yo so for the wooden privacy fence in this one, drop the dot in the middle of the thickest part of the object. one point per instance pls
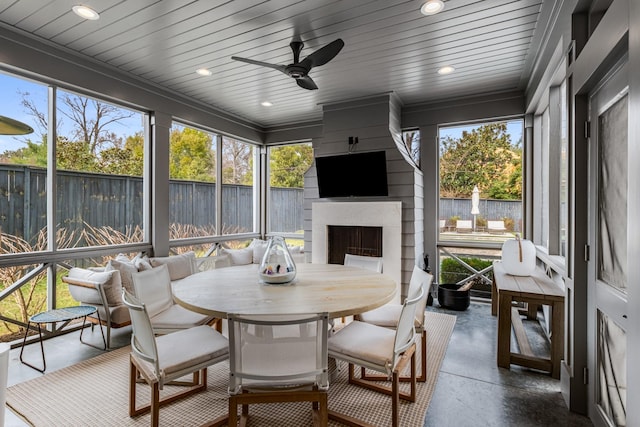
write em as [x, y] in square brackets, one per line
[489, 210]
[116, 201]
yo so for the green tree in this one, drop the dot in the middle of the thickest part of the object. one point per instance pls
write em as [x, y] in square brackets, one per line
[288, 165]
[484, 157]
[191, 156]
[509, 185]
[73, 156]
[34, 154]
[128, 160]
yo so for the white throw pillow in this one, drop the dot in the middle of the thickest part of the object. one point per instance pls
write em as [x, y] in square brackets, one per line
[109, 280]
[142, 262]
[126, 269]
[259, 247]
[238, 256]
[180, 266]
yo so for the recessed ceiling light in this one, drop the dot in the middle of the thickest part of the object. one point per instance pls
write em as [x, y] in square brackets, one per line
[85, 12]
[266, 104]
[204, 72]
[446, 70]
[432, 7]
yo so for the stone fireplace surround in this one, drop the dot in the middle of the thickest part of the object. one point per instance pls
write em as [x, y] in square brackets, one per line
[387, 215]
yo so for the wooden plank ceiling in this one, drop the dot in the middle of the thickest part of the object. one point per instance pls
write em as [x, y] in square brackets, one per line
[389, 47]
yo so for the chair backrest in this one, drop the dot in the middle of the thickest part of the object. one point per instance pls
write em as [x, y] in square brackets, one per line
[153, 289]
[405, 332]
[372, 263]
[420, 282]
[275, 350]
[143, 340]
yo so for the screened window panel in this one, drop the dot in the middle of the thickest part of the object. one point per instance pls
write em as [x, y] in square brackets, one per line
[612, 193]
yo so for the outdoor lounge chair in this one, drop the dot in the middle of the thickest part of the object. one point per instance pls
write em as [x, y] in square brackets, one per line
[464, 226]
[496, 227]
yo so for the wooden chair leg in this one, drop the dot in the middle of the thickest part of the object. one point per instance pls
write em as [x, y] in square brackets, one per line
[409, 356]
[233, 412]
[395, 393]
[395, 398]
[423, 366]
[155, 404]
[198, 384]
[133, 380]
[423, 358]
[317, 398]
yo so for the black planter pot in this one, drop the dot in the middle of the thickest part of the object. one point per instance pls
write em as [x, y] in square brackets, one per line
[450, 297]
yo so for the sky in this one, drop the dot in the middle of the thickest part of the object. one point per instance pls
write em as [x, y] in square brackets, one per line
[514, 128]
[10, 106]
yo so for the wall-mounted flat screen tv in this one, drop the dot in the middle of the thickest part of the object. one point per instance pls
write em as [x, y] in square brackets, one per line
[352, 175]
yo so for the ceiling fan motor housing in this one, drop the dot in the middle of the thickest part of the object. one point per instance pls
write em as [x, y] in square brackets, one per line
[296, 71]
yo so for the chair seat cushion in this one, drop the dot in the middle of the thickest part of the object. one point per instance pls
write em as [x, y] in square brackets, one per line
[183, 349]
[178, 317]
[363, 341]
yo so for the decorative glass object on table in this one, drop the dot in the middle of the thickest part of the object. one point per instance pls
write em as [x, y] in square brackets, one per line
[277, 266]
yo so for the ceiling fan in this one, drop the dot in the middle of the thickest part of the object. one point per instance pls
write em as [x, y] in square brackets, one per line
[299, 70]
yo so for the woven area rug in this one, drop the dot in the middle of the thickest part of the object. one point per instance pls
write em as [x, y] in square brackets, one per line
[95, 393]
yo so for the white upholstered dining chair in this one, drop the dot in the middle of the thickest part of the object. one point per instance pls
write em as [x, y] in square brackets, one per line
[388, 315]
[372, 263]
[278, 358]
[159, 361]
[380, 349]
[153, 289]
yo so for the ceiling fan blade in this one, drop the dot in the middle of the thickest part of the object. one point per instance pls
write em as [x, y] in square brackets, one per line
[280, 68]
[323, 55]
[306, 82]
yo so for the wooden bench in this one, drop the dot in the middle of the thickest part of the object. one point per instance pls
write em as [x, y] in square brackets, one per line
[535, 290]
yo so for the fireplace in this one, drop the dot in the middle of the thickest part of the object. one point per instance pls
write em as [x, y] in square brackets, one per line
[387, 216]
[356, 240]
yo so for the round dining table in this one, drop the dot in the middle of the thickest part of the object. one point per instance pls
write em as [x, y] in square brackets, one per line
[337, 289]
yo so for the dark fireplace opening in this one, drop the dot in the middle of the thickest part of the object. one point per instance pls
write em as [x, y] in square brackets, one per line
[356, 240]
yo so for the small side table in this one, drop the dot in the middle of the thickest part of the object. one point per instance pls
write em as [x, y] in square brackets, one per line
[60, 315]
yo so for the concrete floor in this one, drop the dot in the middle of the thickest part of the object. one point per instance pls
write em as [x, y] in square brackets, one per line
[471, 389]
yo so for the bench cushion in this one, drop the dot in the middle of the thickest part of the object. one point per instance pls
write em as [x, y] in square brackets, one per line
[238, 256]
[180, 266]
